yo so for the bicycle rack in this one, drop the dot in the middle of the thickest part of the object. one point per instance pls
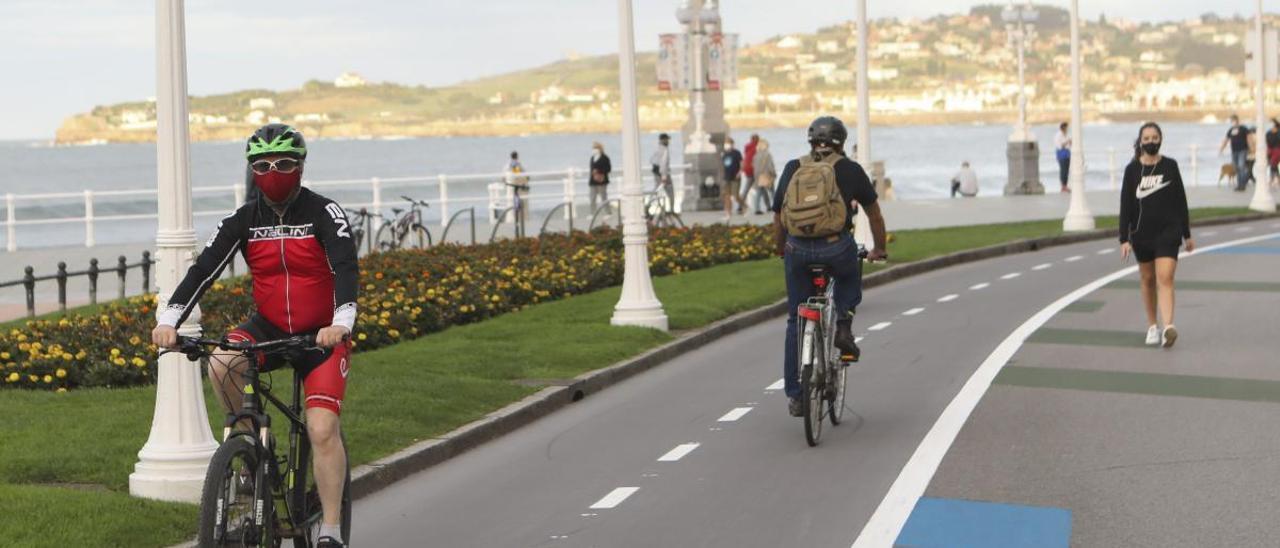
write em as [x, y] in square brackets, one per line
[502, 215]
[472, 212]
[552, 213]
[616, 206]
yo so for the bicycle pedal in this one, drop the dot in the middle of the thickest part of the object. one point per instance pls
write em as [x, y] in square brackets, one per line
[848, 358]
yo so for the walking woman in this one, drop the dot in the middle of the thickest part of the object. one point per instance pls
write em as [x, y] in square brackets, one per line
[765, 175]
[1154, 224]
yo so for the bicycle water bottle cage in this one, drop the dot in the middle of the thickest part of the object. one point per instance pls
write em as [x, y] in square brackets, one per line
[809, 313]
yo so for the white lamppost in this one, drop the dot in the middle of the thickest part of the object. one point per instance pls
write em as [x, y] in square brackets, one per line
[171, 466]
[1019, 22]
[1078, 216]
[862, 223]
[696, 14]
[1262, 199]
[638, 305]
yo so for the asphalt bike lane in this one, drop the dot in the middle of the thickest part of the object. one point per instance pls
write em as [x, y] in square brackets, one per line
[701, 451]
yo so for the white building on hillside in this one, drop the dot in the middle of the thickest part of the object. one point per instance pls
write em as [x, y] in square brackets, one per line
[349, 80]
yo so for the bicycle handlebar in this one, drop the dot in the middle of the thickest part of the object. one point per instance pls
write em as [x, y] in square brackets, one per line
[197, 347]
[422, 203]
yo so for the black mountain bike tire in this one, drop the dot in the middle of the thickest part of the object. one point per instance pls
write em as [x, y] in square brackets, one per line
[218, 479]
[839, 379]
[385, 239]
[418, 237]
[811, 397]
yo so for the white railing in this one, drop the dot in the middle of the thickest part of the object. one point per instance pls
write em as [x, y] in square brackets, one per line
[490, 190]
[1118, 158]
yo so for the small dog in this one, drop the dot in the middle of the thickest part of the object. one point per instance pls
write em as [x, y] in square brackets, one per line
[1228, 172]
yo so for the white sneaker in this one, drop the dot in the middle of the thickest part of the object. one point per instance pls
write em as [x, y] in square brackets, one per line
[1153, 335]
[1170, 335]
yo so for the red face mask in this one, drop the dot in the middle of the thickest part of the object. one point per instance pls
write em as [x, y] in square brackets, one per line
[278, 186]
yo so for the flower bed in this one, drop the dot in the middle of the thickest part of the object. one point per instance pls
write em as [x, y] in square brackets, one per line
[403, 295]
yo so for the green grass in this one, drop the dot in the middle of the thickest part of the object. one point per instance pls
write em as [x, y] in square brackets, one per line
[398, 395]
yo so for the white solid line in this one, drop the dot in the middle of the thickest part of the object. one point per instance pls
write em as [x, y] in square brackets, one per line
[886, 523]
[614, 498]
[948, 298]
[1041, 266]
[879, 326]
[678, 453]
[777, 385]
[1215, 232]
[1010, 275]
[736, 414]
[982, 285]
[1074, 258]
[913, 311]
[1106, 251]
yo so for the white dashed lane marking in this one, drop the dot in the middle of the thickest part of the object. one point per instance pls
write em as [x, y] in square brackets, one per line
[1244, 229]
[1215, 232]
[1042, 266]
[948, 298]
[678, 453]
[777, 385]
[913, 311]
[614, 498]
[1010, 275]
[736, 414]
[982, 285]
[879, 326]
[1106, 251]
[858, 340]
[1074, 258]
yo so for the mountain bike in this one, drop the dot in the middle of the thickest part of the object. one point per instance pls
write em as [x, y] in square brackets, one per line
[406, 230]
[824, 374]
[659, 213]
[361, 226]
[254, 496]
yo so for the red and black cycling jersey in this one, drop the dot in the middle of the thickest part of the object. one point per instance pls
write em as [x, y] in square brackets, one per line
[303, 263]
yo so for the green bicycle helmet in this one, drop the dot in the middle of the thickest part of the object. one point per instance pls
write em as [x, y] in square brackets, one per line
[276, 139]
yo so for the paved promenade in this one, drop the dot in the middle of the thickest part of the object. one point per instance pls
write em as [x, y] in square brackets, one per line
[900, 215]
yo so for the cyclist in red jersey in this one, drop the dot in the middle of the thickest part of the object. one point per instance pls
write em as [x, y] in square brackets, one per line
[302, 257]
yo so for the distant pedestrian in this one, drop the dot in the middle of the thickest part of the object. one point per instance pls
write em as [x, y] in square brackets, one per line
[598, 184]
[1062, 150]
[520, 183]
[748, 167]
[1238, 138]
[1273, 151]
[661, 161]
[766, 176]
[1154, 224]
[965, 182]
[732, 160]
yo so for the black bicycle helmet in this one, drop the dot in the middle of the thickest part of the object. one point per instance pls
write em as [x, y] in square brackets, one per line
[829, 130]
[276, 139]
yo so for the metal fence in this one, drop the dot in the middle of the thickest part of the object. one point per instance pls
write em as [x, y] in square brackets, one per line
[493, 192]
[121, 270]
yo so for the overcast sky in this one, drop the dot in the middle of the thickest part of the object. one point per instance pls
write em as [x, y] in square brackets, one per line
[64, 57]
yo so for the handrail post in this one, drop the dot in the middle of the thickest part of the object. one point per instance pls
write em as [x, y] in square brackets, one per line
[444, 199]
[1195, 165]
[62, 286]
[1111, 165]
[146, 272]
[473, 226]
[29, 282]
[93, 281]
[377, 194]
[679, 192]
[122, 266]
[10, 221]
[569, 193]
[88, 218]
[237, 193]
[494, 189]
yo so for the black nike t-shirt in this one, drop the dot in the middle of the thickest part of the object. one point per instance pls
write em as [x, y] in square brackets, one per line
[850, 177]
[1153, 202]
[1239, 137]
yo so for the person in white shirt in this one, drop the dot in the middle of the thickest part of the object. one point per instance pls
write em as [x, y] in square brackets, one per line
[965, 182]
[1062, 149]
[661, 161]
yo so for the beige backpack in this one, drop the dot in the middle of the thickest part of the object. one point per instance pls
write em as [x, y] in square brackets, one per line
[813, 206]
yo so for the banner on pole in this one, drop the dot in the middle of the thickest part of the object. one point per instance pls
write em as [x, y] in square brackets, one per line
[675, 72]
[722, 61]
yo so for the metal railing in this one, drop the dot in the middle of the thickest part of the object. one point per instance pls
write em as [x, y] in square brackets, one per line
[122, 268]
[492, 191]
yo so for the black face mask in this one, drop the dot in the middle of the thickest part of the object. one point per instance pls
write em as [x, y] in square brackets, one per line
[1151, 148]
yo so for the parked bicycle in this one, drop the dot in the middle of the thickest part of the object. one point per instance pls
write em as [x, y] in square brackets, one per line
[660, 213]
[362, 226]
[254, 496]
[823, 370]
[407, 230]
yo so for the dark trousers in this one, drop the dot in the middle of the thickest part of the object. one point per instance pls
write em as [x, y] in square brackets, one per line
[1064, 170]
[846, 270]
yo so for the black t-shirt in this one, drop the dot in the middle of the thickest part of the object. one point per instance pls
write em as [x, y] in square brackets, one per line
[850, 177]
[1153, 202]
[1239, 137]
[732, 164]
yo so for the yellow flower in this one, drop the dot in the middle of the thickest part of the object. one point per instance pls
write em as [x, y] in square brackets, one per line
[48, 379]
[13, 377]
[4, 355]
[362, 336]
[134, 340]
[393, 333]
[61, 373]
[61, 390]
[139, 362]
[115, 352]
[33, 378]
[66, 356]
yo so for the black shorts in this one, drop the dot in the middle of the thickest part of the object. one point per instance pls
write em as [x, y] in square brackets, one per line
[1147, 251]
[324, 373]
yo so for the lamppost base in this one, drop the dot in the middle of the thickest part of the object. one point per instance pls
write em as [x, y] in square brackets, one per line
[1263, 201]
[171, 475]
[1078, 222]
[641, 315]
[1024, 168]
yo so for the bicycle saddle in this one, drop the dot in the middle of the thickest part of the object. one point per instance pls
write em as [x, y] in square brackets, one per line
[397, 210]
